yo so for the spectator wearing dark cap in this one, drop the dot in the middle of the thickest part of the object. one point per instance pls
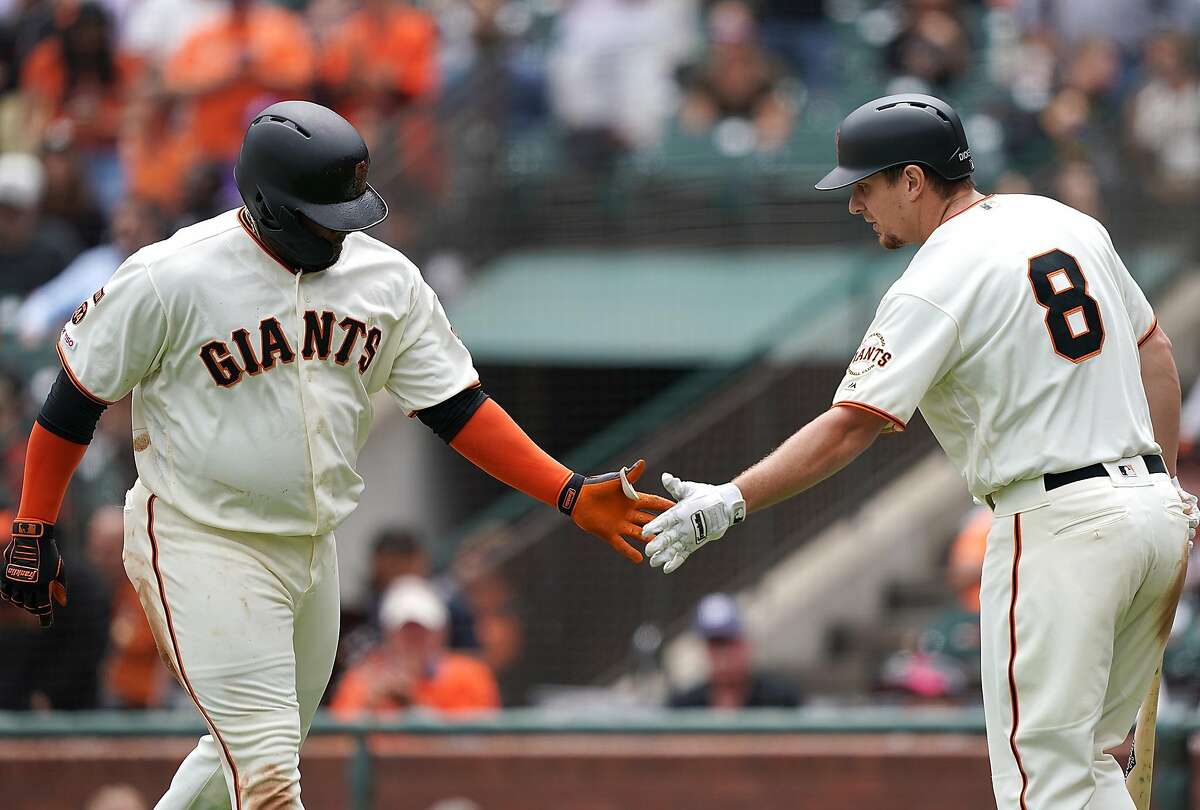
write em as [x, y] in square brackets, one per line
[732, 683]
[33, 249]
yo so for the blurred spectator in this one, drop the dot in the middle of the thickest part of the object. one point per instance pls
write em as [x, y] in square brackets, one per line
[22, 27]
[1080, 119]
[397, 552]
[158, 154]
[611, 76]
[14, 429]
[69, 196]
[411, 668]
[931, 51]
[155, 29]
[135, 224]
[1181, 661]
[228, 69]
[133, 674]
[76, 77]
[116, 797]
[798, 32]
[496, 632]
[1164, 118]
[1189, 424]
[942, 664]
[1076, 185]
[736, 86]
[33, 249]
[732, 683]
[1074, 21]
[380, 59]
[380, 69]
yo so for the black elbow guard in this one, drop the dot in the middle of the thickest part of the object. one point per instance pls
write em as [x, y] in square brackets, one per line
[447, 418]
[69, 413]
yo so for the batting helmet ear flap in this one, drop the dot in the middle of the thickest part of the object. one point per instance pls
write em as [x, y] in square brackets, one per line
[263, 213]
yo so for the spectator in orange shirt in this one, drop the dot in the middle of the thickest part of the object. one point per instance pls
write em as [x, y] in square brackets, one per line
[411, 667]
[243, 60]
[964, 569]
[156, 152]
[380, 59]
[76, 75]
[132, 676]
[76, 79]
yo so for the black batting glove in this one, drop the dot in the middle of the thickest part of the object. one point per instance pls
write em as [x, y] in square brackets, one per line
[34, 577]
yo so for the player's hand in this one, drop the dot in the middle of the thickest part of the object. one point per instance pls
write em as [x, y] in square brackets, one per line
[34, 577]
[610, 508]
[1189, 508]
[703, 514]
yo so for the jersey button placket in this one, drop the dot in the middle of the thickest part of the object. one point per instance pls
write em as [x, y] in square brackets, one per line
[304, 372]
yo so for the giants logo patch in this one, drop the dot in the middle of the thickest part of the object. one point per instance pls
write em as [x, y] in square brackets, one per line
[873, 352]
[79, 313]
[360, 177]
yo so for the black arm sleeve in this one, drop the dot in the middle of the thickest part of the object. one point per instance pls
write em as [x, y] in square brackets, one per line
[447, 418]
[69, 413]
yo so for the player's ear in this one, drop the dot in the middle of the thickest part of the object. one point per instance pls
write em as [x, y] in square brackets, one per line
[914, 180]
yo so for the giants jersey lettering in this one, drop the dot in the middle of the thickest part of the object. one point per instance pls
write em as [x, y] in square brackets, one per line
[252, 385]
[1015, 329]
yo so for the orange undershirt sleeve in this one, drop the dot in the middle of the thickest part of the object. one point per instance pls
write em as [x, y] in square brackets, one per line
[494, 443]
[50, 461]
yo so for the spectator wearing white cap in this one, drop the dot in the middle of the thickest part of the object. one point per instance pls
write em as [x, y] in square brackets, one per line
[732, 683]
[33, 249]
[411, 667]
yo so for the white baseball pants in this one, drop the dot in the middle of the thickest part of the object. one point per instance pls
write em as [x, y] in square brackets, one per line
[248, 624]
[1079, 591]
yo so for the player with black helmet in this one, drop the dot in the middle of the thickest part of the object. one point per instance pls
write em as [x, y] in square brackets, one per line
[1039, 366]
[252, 343]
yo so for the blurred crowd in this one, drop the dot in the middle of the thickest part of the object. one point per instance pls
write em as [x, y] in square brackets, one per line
[120, 119]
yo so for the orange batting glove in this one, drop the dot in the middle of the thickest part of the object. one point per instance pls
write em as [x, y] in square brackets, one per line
[610, 508]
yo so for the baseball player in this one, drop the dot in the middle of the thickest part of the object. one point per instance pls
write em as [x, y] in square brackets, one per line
[1040, 368]
[252, 343]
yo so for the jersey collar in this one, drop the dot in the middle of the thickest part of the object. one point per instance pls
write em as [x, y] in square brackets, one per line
[248, 226]
[965, 210]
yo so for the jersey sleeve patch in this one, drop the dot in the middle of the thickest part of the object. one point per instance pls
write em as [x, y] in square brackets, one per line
[872, 353]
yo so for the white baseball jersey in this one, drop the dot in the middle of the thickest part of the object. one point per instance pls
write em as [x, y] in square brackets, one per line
[252, 384]
[1015, 329]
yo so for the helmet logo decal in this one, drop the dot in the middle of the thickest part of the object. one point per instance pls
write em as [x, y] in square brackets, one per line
[360, 177]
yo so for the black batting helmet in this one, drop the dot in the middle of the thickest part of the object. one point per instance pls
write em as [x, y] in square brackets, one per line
[302, 159]
[896, 131]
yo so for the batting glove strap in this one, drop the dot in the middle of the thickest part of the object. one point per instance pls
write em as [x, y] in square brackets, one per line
[23, 558]
[569, 495]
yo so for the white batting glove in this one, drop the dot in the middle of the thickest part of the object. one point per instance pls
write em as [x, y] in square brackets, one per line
[703, 513]
[1189, 508]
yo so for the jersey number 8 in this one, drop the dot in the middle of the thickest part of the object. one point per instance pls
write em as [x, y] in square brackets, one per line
[1072, 316]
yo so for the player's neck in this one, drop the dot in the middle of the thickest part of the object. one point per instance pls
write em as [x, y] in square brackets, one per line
[942, 210]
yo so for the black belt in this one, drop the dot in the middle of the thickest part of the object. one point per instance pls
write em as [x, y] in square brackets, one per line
[1154, 464]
